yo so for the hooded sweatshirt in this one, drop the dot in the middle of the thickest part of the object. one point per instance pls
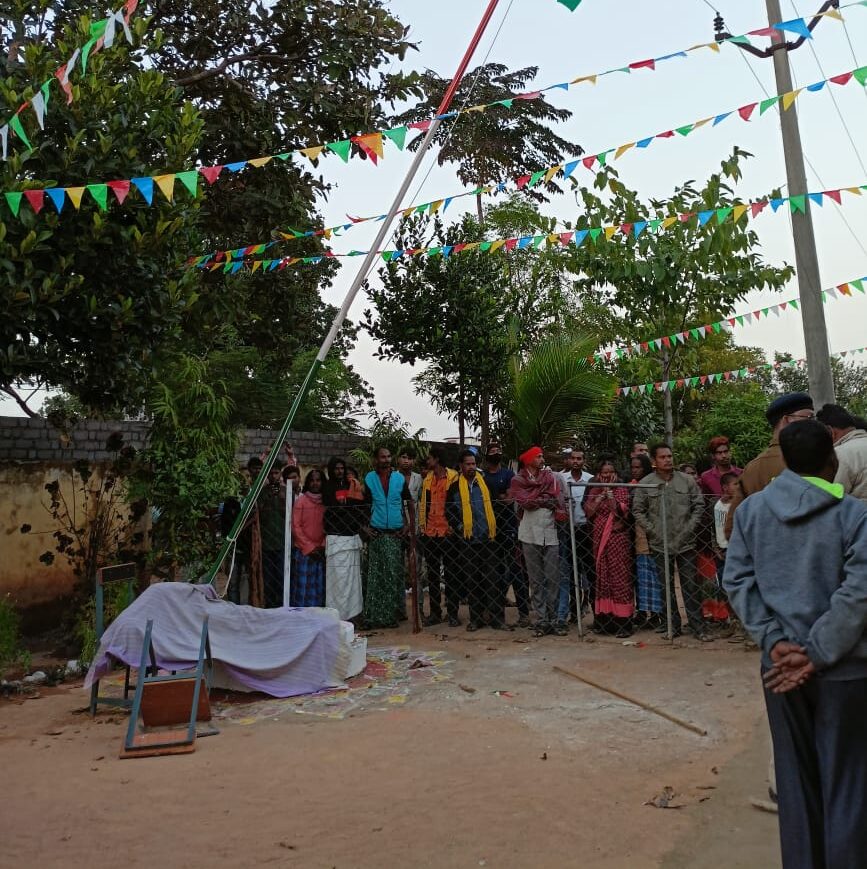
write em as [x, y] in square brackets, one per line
[796, 570]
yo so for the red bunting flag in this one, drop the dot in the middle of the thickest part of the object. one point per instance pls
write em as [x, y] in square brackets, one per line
[746, 111]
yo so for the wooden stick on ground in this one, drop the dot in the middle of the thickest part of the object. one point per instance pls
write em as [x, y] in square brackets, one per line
[641, 704]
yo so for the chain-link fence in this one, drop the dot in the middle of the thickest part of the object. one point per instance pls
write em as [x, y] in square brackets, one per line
[620, 559]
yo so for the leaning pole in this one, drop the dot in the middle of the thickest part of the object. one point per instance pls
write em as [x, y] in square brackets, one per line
[340, 317]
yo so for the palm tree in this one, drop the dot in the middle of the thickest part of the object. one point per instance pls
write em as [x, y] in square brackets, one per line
[555, 394]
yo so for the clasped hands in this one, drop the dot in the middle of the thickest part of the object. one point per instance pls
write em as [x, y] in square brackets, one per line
[791, 667]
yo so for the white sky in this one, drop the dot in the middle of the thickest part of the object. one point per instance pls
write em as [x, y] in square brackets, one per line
[603, 34]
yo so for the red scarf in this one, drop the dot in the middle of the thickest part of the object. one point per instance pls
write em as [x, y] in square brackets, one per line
[537, 493]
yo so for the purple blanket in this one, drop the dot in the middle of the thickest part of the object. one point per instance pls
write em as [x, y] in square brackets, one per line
[282, 652]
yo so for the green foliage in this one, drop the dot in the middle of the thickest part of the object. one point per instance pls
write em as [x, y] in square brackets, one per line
[388, 430]
[188, 466]
[11, 653]
[98, 299]
[556, 394]
[500, 142]
[116, 598]
[736, 411]
[661, 281]
[90, 297]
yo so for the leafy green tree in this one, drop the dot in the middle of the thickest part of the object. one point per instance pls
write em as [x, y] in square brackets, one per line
[850, 381]
[260, 78]
[188, 466]
[440, 310]
[501, 142]
[694, 270]
[90, 298]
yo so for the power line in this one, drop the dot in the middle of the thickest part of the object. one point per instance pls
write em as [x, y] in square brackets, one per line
[831, 94]
[808, 161]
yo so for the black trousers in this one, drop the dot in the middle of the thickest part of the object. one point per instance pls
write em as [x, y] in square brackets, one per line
[439, 556]
[477, 568]
[820, 751]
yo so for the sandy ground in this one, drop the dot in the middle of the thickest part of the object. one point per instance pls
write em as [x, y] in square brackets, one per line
[558, 774]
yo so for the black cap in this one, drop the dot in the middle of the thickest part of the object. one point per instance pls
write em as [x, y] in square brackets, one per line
[786, 404]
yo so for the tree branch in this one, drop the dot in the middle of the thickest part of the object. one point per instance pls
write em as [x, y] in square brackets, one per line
[224, 64]
[21, 402]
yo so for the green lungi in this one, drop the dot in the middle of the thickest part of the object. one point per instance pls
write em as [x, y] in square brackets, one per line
[385, 595]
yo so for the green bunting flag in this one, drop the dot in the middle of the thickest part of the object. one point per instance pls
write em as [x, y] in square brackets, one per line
[14, 202]
[571, 5]
[99, 192]
[342, 149]
[397, 135]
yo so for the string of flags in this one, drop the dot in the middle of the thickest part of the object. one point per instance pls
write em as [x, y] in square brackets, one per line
[697, 380]
[190, 179]
[527, 181]
[102, 35]
[727, 324]
[633, 229]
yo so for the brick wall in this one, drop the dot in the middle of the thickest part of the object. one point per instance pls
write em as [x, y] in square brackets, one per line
[33, 440]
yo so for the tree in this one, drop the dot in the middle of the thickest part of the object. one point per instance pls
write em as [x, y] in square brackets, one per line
[441, 310]
[501, 142]
[260, 78]
[188, 466]
[556, 394]
[693, 270]
[90, 298]
[850, 381]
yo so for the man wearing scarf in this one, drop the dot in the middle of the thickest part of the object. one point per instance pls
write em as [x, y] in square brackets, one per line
[539, 499]
[471, 517]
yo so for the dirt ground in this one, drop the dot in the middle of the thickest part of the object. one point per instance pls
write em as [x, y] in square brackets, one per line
[504, 763]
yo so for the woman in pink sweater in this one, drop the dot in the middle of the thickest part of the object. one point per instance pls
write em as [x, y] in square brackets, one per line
[307, 587]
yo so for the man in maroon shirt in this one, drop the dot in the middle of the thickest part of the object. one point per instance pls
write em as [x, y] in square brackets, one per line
[721, 456]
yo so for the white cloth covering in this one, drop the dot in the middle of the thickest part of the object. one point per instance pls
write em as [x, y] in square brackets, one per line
[343, 575]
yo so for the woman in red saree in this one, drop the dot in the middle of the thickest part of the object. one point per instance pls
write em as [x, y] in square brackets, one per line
[607, 507]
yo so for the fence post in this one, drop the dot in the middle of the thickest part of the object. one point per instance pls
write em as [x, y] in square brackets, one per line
[287, 546]
[576, 577]
[666, 557]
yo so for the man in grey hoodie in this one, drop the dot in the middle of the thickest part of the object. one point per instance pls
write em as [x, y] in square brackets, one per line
[796, 574]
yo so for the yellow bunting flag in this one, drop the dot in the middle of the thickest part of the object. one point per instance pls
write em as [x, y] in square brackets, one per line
[623, 149]
[436, 206]
[496, 245]
[789, 98]
[551, 173]
[256, 264]
[312, 154]
[855, 190]
[738, 212]
[609, 232]
[582, 78]
[701, 123]
[258, 162]
[373, 141]
[75, 194]
[166, 183]
[669, 221]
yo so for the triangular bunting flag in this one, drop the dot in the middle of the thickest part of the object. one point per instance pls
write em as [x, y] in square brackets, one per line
[343, 148]
[75, 195]
[120, 189]
[13, 200]
[145, 186]
[166, 183]
[397, 135]
[58, 196]
[190, 180]
[313, 153]
[99, 192]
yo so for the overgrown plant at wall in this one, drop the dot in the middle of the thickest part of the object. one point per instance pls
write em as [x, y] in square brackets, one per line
[95, 526]
[188, 466]
[11, 653]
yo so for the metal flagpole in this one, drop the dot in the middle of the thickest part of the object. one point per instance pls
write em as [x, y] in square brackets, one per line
[258, 484]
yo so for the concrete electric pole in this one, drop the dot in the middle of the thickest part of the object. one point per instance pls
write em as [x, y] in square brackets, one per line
[806, 259]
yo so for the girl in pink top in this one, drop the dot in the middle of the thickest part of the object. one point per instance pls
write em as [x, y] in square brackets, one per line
[307, 585]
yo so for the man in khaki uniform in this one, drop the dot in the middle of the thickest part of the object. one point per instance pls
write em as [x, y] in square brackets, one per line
[769, 464]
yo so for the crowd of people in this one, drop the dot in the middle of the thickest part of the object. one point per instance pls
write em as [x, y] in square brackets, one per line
[554, 544]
